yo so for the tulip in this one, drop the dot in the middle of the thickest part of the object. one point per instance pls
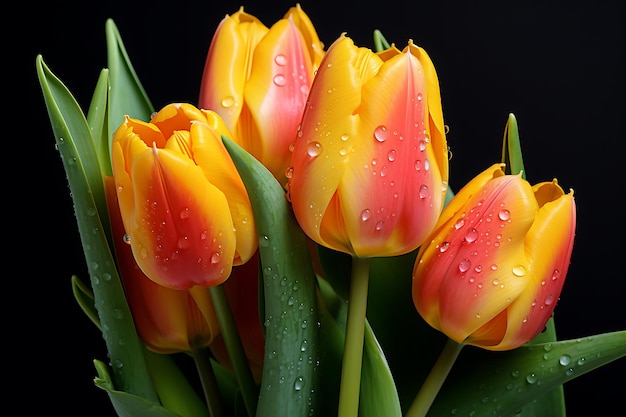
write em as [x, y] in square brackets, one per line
[167, 320]
[370, 162]
[258, 80]
[494, 266]
[184, 207]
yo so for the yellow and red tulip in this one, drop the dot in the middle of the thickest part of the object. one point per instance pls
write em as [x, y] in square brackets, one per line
[370, 162]
[258, 80]
[183, 204]
[167, 320]
[493, 269]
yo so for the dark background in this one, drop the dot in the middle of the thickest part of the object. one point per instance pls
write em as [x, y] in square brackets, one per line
[557, 67]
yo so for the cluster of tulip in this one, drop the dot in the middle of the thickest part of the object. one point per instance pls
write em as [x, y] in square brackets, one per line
[246, 231]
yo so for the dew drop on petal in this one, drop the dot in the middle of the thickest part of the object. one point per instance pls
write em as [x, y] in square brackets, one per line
[464, 265]
[471, 235]
[280, 80]
[381, 133]
[228, 102]
[366, 214]
[280, 59]
[444, 246]
[519, 270]
[314, 149]
[504, 215]
[424, 191]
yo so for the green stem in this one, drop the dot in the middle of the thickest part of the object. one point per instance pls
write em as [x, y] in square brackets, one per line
[355, 329]
[235, 349]
[209, 383]
[434, 380]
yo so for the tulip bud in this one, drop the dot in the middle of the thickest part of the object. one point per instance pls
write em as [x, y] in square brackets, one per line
[493, 269]
[185, 209]
[370, 161]
[167, 320]
[258, 80]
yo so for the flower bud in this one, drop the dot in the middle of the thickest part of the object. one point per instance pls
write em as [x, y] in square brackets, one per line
[370, 162]
[167, 320]
[185, 209]
[258, 80]
[493, 269]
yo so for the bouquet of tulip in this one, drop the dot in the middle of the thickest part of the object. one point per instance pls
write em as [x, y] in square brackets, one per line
[272, 234]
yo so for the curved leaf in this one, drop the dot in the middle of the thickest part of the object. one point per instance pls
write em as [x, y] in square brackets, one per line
[127, 95]
[290, 380]
[503, 383]
[78, 153]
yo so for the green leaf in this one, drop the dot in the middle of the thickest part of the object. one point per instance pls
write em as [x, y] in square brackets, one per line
[380, 43]
[84, 297]
[290, 379]
[503, 383]
[175, 392]
[127, 95]
[78, 154]
[125, 404]
[512, 149]
[379, 396]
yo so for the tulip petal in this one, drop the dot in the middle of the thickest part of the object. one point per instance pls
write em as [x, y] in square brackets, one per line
[278, 86]
[227, 65]
[175, 227]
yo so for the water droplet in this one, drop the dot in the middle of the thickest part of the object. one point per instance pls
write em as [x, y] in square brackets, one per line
[459, 223]
[183, 242]
[126, 239]
[298, 383]
[391, 156]
[280, 59]
[303, 346]
[379, 226]
[519, 270]
[471, 235]
[464, 265]
[280, 80]
[420, 97]
[215, 258]
[289, 172]
[565, 360]
[444, 246]
[495, 282]
[228, 102]
[314, 149]
[556, 274]
[531, 378]
[380, 133]
[184, 213]
[424, 191]
[365, 214]
[549, 300]
[504, 215]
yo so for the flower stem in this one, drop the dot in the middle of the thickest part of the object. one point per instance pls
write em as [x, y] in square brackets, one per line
[434, 380]
[209, 383]
[355, 329]
[235, 348]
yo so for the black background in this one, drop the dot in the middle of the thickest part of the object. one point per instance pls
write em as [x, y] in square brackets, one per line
[557, 67]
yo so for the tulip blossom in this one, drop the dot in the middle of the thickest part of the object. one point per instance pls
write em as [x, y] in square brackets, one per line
[258, 80]
[167, 320]
[184, 207]
[494, 267]
[370, 161]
